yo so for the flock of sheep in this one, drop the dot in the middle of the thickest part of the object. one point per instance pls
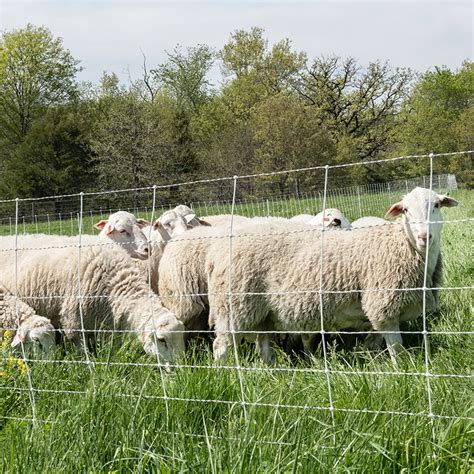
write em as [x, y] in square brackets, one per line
[241, 277]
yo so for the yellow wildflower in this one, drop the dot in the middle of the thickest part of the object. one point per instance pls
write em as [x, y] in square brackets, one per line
[22, 366]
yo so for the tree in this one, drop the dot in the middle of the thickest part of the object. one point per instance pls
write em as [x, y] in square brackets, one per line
[288, 136]
[356, 103]
[184, 75]
[36, 72]
[54, 157]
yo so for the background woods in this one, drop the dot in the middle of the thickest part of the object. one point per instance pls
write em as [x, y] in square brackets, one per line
[274, 109]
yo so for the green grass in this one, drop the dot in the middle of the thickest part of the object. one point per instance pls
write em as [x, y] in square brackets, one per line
[117, 416]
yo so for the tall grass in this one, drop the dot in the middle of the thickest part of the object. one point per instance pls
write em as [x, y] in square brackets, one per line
[124, 414]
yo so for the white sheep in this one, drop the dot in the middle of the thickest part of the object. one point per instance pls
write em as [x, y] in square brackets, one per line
[29, 329]
[126, 230]
[191, 218]
[98, 286]
[371, 279]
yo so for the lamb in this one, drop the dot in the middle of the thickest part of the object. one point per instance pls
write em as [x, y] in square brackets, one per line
[100, 286]
[332, 218]
[126, 230]
[365, 276]
[29, 329]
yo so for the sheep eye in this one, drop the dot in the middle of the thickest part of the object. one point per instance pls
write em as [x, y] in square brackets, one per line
[123, 231]
[436, 205]
[404, 211]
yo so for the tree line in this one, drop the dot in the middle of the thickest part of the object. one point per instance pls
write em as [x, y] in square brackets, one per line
[274, 109]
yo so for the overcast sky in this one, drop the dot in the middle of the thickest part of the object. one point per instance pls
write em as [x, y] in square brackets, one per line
[108, 34]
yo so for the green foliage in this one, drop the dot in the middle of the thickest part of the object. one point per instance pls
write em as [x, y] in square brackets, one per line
[35, 72]
[184, 75]
[438, 117]
[53, 156]
[275, 110]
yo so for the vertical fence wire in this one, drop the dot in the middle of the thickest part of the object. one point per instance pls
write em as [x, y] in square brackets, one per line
[152, 297]
[230, 294]
[425, 327]
[321, 310]
[79, 296]
[31, 390]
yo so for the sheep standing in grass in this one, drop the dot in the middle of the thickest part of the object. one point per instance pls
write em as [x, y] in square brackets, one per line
[28, 328]
[126, 230]
[97, 286]
[370, 278]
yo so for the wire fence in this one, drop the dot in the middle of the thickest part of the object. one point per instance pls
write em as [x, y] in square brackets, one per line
[59, 278]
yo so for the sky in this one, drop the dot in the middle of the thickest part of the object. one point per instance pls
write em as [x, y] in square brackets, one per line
[109, 35]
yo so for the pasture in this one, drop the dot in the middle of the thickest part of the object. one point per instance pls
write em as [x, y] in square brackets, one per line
[123, 412]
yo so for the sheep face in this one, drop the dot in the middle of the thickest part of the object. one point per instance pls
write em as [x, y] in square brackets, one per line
[164, 337]
[35, 333]
[421, 215]
[126, 230]
[174, 223]
[331, 218]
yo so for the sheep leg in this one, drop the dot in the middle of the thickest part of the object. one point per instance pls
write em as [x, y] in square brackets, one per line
[221, 346]
[393, 339]
[266, 353]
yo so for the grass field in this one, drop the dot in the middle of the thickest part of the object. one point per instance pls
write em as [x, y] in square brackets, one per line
[117, 416]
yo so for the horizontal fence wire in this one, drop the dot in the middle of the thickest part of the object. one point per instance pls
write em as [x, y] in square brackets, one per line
[76, 216]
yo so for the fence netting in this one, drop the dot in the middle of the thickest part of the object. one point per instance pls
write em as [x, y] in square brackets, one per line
[338, 354]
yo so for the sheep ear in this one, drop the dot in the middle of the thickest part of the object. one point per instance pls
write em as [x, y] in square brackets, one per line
[395, 210]
[109, 228]
[446, 201]
[101, 224]
[157, 225]
[189, 217]
[142, 223]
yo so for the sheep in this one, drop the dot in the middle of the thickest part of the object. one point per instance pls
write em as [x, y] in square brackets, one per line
[190, 216]
[29, 329]
[365, 276]
[182, 278]
[332, 218]
[369, 221]
[126, 230]
[100, 286]
[180, 219]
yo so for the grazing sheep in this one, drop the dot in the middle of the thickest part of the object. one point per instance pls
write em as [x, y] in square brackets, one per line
[100, 285]
[369, 221]
[126, 230]
[29, 328]
[367, 276]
